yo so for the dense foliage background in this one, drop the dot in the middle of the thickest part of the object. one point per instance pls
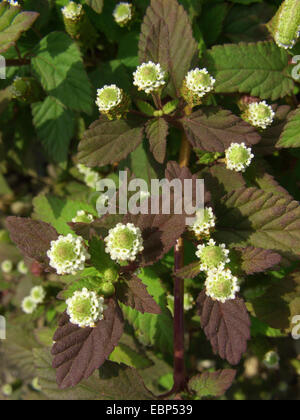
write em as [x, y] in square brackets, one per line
[39, 178]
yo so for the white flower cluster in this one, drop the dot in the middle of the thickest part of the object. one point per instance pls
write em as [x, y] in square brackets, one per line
[108, 98]
[83, 217]
[72, 11]
[238, 157]
[205, 222]
[36, 297]
[7, 266]
[22, 267]
[68, 254]
[200, 82]
[91, 177]
[123, 13]
[212, 255]
[85, 308]
[260, 114]
[221, 285]
[13, 3]
[124, 242]
[149, 77]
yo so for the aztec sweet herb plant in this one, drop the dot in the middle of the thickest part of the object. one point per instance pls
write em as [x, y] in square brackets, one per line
[187, 110]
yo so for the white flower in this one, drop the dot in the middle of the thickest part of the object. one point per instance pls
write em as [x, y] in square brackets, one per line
[7, 266]
[271, 360]
[91, 177]
[85, 308]
[205, 222]
[83, 217]
[28, 305]
[109, 97]
[221, 285]
[200, 82]
[72, 11]
[38, 294]
[212, 255]
[123, 13]
[13, 3]
[238, 157]
[149, 77]
[124, 242]
[260, 114]
[68, 254]
[22, 267]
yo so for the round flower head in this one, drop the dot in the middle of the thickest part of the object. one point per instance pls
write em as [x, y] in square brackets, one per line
[68, 254]
[149, 77]
[123, 13]
[83, 217]
[238, 157]
[112, 102]
[38, 294]
[204, 224]
[72, 11]
[221, 285]
[124, 242]
[7, 266]
[7, 390]
[212, 255]
[28, 305]
[271, 360]
[22, 267]
[197, 84]
[260, 114]
[85, 308]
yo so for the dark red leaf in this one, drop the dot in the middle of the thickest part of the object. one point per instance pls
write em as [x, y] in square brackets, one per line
[157, 132]
[257, 260]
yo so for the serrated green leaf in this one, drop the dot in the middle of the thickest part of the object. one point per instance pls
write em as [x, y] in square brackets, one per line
[58, 65]
[58, 212]
[211, 21]
[13, 23]
[155, 330]
[55, 127]
[146, 108]
[244, 68]
[212, 384]
[290, 136]
[96, 5]
[123, 354]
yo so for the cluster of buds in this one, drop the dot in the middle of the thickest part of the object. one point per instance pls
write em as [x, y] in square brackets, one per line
[123, 14]
[259, 114]
[83, 217]
[26, 89]
[221, 285]
[91, 177]
[124, 242]
[85, 308]
[238, 157]
[212, 255]
[112, 102]
[150, 77]
[68, 254]
[36, 297]
[196, 85]
[285, 26]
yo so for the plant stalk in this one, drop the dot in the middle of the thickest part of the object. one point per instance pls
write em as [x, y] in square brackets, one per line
[179, 363]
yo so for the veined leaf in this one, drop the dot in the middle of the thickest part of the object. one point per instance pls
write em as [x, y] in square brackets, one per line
[214, 129]
[59, 67]
[167, 39]
[13, 23]
[260, 69]
[157, 132]
[212, 384]
[290, 136]
[96, 5]
[257, 260]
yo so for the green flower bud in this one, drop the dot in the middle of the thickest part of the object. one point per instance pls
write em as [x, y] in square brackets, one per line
[271, 360]
[113, 102]
[196, 85]
[212, 255]
[123, 14]
[26, 89]
[7, 266]
[285, 26]
[107, 289]
[111, 275]
[83, 217]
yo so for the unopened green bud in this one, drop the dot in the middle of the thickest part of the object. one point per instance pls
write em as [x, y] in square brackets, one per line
[26, 89]
[107, 289]
[111, 275]
[123, 13]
